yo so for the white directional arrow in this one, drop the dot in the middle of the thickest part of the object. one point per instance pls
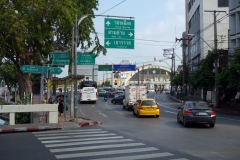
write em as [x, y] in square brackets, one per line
[108, 43]
[108, 23]
[130, 34]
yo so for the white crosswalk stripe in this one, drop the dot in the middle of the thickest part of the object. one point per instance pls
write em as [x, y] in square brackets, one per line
[97, 144]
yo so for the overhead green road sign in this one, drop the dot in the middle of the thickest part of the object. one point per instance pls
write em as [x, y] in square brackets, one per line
[31, 69]
[119, 33]
[37, 69]
[118, 23]
[86, 59]
[121, 44]
[105, 67]
[53, 70]
[60, 58]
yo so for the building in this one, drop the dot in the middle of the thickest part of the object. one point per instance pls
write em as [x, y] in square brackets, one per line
[234, 24]
[154, 76]
[200, 29]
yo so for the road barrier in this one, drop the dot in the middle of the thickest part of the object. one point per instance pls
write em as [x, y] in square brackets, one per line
[12, 109]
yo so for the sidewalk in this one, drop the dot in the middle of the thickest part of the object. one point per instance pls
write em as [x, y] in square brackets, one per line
[63, 123]
[225, 109]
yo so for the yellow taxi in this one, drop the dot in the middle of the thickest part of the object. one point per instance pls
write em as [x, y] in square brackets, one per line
[146, 107]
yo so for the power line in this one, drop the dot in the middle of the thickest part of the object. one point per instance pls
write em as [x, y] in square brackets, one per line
[113, 7]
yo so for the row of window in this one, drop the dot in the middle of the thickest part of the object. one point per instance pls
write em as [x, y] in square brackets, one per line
[221, 3]
[195, 16]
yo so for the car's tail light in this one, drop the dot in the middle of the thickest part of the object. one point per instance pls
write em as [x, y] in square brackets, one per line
[157, 107]
[213, 113]
[96, 94]
[80, 95]
[188, 112]
[140, 107]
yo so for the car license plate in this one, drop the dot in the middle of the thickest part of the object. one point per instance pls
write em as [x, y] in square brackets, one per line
[149, 108]
[202, 114]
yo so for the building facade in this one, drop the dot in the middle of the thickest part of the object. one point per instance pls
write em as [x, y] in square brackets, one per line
[200, 29]
[234, 24]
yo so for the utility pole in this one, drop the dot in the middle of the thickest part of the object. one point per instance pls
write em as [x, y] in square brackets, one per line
[215, 55]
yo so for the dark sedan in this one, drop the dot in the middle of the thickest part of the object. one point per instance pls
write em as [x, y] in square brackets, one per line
[196, 112]
[118, 99]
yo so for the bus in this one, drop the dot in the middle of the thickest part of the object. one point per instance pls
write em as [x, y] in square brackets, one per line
[88, 91]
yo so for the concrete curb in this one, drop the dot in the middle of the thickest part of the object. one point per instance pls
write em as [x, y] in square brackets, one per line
[27, 129]
[89, 123]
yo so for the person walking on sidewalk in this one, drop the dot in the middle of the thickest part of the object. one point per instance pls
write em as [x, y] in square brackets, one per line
[60, 105]
[50, 100]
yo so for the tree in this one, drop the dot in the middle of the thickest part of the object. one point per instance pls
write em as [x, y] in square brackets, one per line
[203, 77]
[30, 30]
[7, 73]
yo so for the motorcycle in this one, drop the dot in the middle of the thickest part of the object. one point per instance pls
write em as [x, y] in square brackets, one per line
[105, 99]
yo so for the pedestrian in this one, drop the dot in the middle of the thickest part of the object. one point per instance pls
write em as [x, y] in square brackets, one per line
[155, 90]
[60, 105]
[50, 101]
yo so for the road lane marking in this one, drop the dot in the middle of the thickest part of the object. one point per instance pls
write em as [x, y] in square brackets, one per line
[88, 154]
[61, 137]
[96, 147]
[143, 156]
[88, 142]
[114, 110]
[229, 119]
[80, 139]
[101, 113]
[61, 131]
[167, 107]
[170, 112]
[55, 134]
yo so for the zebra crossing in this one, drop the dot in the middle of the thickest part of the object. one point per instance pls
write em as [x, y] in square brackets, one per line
[98, 144]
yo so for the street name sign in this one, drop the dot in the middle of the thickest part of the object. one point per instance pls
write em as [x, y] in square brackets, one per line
[105, 67]
[122, 68]
[53, 70]
[60, 58]
[86, 59]
[119, 33]
[31, 69]
[37, 69]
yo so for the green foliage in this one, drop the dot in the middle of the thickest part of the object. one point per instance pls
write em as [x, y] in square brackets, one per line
[24, 117]
[30, 30]
[107, 83]
[204, 76]
[229, 77]
[177, 80]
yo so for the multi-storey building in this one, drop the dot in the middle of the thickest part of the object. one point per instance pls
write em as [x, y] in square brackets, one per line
[234, 24]
[200, 29]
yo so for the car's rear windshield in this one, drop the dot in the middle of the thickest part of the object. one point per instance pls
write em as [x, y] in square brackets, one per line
[198, 105]
[148, 103]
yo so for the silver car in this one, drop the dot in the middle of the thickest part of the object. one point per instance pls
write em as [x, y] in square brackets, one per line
[196, 112]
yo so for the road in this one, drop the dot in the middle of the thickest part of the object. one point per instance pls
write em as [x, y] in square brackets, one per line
[124, 136]
[220, 142]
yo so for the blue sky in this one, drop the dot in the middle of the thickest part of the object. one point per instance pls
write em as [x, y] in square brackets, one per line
[157, 24]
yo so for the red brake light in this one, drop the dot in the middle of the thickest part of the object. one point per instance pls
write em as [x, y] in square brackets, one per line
[140, 107]
[188, 112]
[213, 112]
[96, 94]
[80, 95]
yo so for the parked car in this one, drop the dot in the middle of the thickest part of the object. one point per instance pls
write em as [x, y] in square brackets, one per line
[196, 112]
[167, 91]
[146, 107]
[118, 99]
[101, 93]
[118, 93]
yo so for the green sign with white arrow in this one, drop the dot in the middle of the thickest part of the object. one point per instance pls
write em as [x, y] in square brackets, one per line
[37, 69]
[119, 33]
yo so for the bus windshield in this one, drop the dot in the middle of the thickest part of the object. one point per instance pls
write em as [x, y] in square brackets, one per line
[88, 83]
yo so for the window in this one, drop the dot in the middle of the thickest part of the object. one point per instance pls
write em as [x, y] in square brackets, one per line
[222, 3]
